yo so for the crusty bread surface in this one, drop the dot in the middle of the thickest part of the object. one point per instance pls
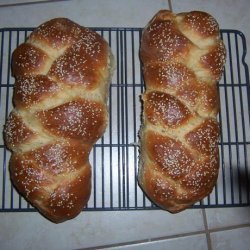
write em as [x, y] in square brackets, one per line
[62, 74]
[183, 59]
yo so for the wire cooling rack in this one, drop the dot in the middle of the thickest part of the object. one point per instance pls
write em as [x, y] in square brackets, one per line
[114, 158]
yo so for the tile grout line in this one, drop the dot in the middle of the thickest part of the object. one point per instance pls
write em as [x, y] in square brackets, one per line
[209, 243]
[207, 231]
[30, 3]
[149, 240]
[170, 5]
[226, 228]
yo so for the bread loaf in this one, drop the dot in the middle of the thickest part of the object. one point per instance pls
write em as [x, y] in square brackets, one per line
[183, 59]
[62, 74]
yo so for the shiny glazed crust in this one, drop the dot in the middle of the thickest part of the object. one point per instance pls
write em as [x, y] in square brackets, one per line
[183, 58]
[62, 75]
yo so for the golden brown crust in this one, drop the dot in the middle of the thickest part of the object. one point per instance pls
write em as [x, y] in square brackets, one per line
[182, 57]
[57, 33]
[77, 65]
[165, 110]
[53, 178]
[30, 90]
[163, 42]
[201, 23]
[28, 59]
[62, 73]
[16, 131]
[78, 119]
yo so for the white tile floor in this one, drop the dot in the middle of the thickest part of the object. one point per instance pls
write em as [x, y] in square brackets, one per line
[197, 242]
[213, 228]
[221, 217]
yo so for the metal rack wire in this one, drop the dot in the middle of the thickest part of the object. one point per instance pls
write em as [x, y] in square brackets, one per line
[114, 158]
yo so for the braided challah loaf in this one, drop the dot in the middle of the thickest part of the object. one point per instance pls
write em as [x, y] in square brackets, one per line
[62, 75]
[183, 58]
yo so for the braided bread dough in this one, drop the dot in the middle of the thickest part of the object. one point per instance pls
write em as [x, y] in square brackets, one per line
[62, 75]
[183, 58]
